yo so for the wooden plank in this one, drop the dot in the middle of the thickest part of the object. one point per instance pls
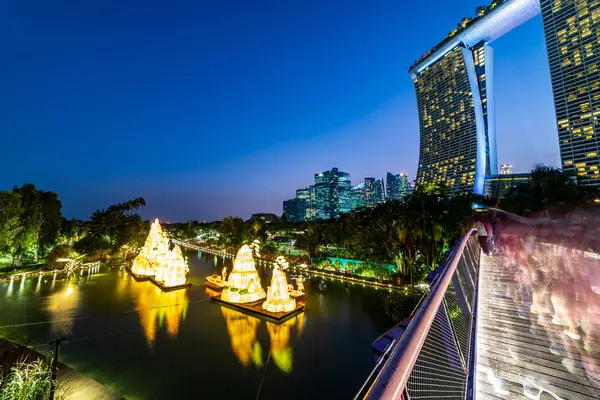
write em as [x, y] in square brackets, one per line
[516, 347]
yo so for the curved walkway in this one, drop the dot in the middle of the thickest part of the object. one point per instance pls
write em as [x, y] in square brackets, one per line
[520, 353]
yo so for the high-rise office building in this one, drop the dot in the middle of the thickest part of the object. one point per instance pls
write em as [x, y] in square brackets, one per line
[379, 191]
[403, 185]
[374, 192]
[392, 186]
[357, 197]
[290, 210]
[396, 186]
[303, 205]
[331, 193]
[322, 195]
[572, 31]
[344, 187]
[505, 169]
[370, 192]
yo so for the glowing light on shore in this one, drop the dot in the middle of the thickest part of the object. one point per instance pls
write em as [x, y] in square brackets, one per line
[243, 284]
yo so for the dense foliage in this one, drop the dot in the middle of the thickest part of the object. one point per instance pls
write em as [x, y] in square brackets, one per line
[27, 380]
[30, 220]
[550, 193]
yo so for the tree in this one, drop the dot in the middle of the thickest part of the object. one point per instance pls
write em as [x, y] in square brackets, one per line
[114, 230]
[232, 232]
[10, 215]
[310, 241]
[27, 238]
[550, 191]
[40, 222]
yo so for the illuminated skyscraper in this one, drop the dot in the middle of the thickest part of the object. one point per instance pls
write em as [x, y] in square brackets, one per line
[344, 187]
[573, 40]
[374, 192]
[396, 186]
[303, 205]
[357, 197]
[404, 189]
[370, 192]
[454, 84]
[392, 186]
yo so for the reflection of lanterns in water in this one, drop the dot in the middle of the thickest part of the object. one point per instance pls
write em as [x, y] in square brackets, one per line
[242, 334]
[62, 306]
[155, 307]
[278, 297]
[281, 352]
[243, 284]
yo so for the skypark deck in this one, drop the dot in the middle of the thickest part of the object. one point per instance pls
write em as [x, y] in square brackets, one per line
[495, 23]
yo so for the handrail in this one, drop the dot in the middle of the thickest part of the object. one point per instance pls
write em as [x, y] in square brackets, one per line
[393, 377]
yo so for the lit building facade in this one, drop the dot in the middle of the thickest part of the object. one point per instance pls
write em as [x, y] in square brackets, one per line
[304, 205]
[404, 185]
[505, 169]
[357, 197]
[454, 85]
[572, 31]
[499, 185]
[329, 197]
[396, 186]
[374, 192]
[392, 186]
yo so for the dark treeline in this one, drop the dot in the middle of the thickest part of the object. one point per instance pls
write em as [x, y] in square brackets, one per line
[33, 230]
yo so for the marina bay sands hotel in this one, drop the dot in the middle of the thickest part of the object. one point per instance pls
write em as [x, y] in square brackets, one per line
[454, 83]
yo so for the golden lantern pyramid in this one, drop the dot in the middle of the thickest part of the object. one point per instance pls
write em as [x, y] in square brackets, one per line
[243, 284]
[152, 254]
[278, 296]
[156, 261]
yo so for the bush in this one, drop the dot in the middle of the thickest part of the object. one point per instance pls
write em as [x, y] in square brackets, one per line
[61, 251]
[27, 380]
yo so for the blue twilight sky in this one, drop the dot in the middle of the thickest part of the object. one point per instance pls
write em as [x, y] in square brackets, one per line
[215, 108]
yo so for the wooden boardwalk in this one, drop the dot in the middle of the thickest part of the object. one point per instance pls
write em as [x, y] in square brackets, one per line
[71, 384]
[521, 354]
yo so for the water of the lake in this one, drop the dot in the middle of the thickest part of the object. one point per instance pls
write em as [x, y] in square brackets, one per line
[146, 344]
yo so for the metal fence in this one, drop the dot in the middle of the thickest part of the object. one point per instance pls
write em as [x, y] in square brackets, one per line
[433, 358]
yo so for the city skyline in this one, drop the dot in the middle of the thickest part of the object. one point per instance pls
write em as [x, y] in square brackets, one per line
[162, 125]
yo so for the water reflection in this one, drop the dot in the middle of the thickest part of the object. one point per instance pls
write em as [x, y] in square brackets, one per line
[242, 334]
[155, 307]
[62, 307]
[281, 351]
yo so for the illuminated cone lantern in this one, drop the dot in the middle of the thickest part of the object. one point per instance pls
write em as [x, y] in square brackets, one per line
[243, 284]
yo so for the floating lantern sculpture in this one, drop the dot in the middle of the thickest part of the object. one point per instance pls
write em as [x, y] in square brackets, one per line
[278, 297]
[152, 254]
[166, 268]
[173, 270]
[243, 284]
